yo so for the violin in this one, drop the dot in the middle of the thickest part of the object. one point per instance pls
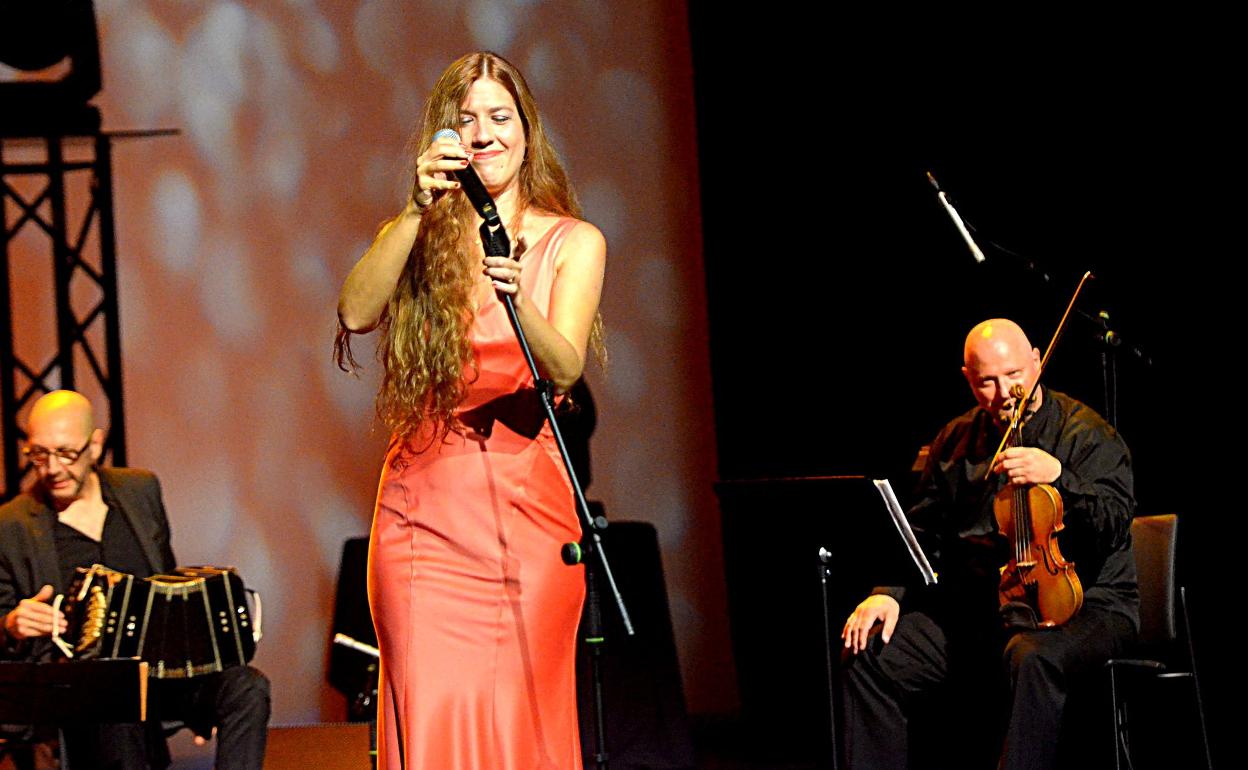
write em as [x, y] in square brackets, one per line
[1030, 516]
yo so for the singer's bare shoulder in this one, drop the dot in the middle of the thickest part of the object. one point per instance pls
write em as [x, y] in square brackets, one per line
[583, 242]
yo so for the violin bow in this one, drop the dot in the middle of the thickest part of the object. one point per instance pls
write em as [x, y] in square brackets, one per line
[1020, 408]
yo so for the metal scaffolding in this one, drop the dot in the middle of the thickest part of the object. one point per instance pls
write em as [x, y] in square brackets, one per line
[39, 177]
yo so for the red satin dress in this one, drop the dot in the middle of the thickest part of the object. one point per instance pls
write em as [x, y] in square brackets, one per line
[476, 615]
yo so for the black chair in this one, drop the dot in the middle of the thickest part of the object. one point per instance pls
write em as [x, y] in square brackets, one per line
[1163, 606]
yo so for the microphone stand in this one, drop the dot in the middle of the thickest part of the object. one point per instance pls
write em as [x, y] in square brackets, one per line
[1109, 367]
[1108, 340]
[496, 244]
[1110, 343]
[365, 702]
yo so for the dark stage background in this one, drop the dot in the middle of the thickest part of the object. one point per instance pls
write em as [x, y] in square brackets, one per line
[840, 291]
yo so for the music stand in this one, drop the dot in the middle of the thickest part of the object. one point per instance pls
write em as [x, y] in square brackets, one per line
[773, 530]
[73, 692]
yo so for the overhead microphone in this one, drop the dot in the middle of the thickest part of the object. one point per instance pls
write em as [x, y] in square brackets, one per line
[471, 184]
[957, 220]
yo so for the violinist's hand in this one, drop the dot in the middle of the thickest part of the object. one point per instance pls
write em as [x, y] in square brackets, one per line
[878, 608]
[1028, 465]
[34, 617]
[202, 740]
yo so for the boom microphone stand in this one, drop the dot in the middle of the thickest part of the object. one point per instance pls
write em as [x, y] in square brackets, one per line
[1109, 342]
[495, 242]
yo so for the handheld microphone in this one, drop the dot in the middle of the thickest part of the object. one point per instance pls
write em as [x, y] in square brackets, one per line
[471, 184]
[957, 220]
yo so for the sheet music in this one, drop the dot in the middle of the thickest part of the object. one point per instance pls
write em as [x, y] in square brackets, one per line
[903, 529]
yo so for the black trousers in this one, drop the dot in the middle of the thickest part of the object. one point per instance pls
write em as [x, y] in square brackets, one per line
[235, 701]
[1003, 686]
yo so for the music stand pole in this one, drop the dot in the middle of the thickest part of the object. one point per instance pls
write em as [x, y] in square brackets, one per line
[825, 577]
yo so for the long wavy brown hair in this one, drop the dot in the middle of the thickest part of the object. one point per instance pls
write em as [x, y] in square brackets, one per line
[424, 346]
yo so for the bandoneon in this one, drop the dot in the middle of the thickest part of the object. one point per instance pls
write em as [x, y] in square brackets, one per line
[193, 622]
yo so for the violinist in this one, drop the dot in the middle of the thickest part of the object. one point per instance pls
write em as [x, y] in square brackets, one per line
[906, 645]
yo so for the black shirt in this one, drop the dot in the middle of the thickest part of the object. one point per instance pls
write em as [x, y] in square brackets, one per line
[118, 547]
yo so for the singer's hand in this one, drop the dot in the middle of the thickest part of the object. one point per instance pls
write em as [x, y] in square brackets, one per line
[504, 272]
[435, 165]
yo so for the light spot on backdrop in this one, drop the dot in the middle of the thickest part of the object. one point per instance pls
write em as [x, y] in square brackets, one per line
[605, 207]
[227, 290]
[145, 57]
[310, 656]
[541, 68]
[492, 24]
[203, 501]
[405, 104]
[575, 58]
[555, 137]
[333, 121]
[258, 563]
[628, 378]
[327, 513]
[274, 437]
[381, 177]
[178, 220]
[212, 80]
[430, 69]
[281, 159]
[252, 547]
[204, 392]
[630, 115]
[135, 298]
[277, 88]
[382, 33]
[352, 394]
[281, 100]
[653, 495]
[309, 273]
[658, 293]
[595, 13]
[209, 120]
[317, 42]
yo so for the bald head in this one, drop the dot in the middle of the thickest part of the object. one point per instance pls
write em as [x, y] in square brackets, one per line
[64, 445]
[994, 338]
[996, 357]
[70, 409]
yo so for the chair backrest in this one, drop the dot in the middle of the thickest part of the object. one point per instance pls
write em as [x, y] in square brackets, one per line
[1154, 539]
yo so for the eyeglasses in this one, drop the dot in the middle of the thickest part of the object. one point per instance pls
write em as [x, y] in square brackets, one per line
[41, 456]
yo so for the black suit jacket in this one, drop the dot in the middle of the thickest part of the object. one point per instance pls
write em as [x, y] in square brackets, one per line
[28, 558]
